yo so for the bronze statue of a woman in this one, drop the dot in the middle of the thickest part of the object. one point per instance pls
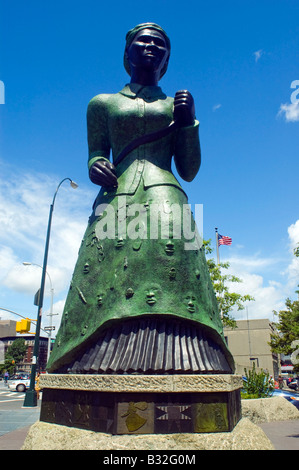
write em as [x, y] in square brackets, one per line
[139, 301]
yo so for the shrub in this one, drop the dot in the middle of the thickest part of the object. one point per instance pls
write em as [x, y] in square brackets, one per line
[247, 396]
[257, 383]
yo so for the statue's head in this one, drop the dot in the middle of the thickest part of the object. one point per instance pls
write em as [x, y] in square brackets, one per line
[150, 33]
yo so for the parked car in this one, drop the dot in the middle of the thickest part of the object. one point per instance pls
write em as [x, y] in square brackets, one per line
[294, 384]
[19, 375]
[290, 396]
[19, 385]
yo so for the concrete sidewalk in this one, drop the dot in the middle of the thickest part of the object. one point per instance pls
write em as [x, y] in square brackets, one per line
[284, 435]
[14, 440]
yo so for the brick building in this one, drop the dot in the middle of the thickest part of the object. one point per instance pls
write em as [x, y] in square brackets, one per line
[8, 335]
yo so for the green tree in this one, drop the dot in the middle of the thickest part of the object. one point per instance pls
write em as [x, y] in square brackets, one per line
[287, 326]
[227, 300]
[287, 329]
[14, 354]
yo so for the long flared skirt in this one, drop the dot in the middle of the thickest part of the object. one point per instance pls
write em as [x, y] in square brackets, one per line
[141, 298]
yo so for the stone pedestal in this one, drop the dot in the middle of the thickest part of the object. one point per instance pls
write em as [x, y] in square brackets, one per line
[142, 404]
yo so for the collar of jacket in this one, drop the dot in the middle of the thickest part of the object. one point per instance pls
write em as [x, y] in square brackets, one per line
[134, 90]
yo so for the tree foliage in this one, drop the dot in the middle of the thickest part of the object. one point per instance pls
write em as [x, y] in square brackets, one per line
[227, 300]
[287, 329]
[287, 326]
[14, 354]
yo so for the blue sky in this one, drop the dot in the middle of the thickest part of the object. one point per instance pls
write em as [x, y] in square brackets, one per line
[237, 58]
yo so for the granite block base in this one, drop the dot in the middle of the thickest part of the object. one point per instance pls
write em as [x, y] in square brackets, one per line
[142, 404]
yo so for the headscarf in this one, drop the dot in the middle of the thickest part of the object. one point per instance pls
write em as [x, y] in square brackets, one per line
[132, 33]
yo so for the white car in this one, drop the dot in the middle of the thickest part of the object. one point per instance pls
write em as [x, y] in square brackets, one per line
[19, 385]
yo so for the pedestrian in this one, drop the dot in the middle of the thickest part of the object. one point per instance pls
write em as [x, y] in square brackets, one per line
[6, 375]
[37, 386]
[280, 382]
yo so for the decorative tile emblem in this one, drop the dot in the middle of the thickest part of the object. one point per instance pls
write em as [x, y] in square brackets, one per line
[173, 412]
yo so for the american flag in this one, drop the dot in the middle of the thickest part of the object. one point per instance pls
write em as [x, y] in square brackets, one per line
[224, 240]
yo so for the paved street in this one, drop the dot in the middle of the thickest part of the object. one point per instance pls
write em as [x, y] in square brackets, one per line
[12, 414]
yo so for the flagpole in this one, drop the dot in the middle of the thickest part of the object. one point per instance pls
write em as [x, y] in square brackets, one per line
[218, 263]
[217, 245]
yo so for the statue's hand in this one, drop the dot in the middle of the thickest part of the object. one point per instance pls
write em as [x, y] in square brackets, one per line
[184, 108]
[103, 174]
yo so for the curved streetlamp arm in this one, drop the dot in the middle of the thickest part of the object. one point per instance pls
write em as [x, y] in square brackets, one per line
[72, 183]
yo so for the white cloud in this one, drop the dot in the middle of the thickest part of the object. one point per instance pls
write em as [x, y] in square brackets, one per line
[24, 210]
[269, 294]
[293, 232]
[267, 297]
[7, 260]
[290, 111]
[253, 263]
[293, 267]
[25, 200]
[258, 54]
[216, 106]
[22, 279]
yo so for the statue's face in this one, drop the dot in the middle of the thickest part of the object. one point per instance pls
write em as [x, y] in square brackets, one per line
[148, 50]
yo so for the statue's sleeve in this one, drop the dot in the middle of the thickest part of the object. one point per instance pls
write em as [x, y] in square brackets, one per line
[187, 155]
[97, 130]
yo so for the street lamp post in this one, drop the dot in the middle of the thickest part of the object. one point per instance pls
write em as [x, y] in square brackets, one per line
[51, 314]
[31, 395]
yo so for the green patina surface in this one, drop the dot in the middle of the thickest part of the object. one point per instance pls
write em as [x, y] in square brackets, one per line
[127, 276]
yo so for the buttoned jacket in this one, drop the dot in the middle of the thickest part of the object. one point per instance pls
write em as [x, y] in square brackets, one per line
[115, 120]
